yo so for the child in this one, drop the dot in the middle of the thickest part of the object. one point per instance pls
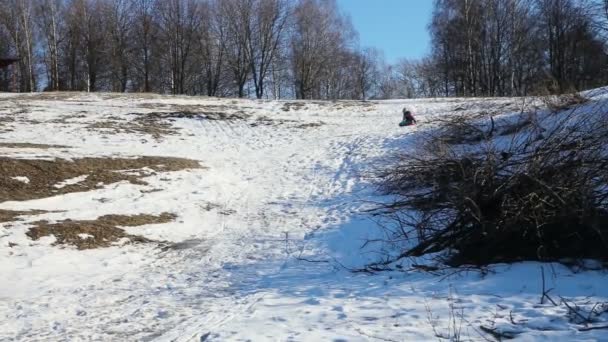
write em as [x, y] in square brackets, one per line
[408, 118]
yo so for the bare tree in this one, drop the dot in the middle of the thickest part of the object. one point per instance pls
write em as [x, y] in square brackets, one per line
[48, 13]
[144, 32]
[179, 22]
[514, 47]
[86, 30]
[366, 72]
[320, 38]
[16, 16]
[236, 15]
[264, 37]
[212, 47]
[118, 19]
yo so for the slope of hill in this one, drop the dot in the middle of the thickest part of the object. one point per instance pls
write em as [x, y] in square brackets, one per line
[142, 217]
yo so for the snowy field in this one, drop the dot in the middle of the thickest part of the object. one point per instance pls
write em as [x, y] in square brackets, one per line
[263, 235]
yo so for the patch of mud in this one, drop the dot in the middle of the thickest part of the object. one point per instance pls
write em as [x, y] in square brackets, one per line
[44, 175]
[101, 232]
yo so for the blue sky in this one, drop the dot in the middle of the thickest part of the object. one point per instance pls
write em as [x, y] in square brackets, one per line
[396, 27]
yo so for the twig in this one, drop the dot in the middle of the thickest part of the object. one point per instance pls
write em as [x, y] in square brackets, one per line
[496, 334]
[575, 311]
[597, 327]
[545, 292]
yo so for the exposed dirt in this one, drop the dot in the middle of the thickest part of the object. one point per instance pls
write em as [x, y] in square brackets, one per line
[196, 109]
[266, 121]
[5, 121]
[337, 104]
[10, 215]
[203, 114]
[129, 96]
[30, 145]
[349, 104]
[101, 232]
[141, 125]
[158, 124]
[54, 96]
[45, 175]
[310, 125]
[287, 106]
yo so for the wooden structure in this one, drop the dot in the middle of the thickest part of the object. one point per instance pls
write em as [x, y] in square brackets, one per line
[5, 63]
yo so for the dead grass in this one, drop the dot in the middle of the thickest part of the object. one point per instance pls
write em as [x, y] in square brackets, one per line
[158, 125]
[141, 125]
[43, 175]
[30, 145]
[350, 104]
[266, 121]
[5, 121]
[54, 96]
[101, 232]
[288, 106]
[564, 102]
[310, 125]
[10, 215]
[191, 110]
[204, 113]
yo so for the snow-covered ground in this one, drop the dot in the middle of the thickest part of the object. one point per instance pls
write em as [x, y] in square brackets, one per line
[265, 233]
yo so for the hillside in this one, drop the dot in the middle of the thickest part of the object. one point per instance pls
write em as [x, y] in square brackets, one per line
[143, 217]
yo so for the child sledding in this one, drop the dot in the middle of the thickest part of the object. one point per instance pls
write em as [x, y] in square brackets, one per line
[408, 118]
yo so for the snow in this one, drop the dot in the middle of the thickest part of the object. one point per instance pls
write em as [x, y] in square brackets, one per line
[265, 235]
[71, 181]
[21, 179]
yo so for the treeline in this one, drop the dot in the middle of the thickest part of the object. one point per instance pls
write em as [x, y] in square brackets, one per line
[262, 48]
[510, 48]
[302, 49]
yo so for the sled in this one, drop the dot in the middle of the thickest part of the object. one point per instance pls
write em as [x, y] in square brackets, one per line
[406, 123]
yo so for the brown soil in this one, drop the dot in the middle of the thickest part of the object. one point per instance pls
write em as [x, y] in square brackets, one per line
[102, 231]
[44, 174]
